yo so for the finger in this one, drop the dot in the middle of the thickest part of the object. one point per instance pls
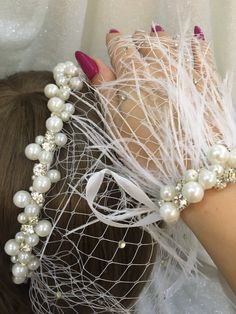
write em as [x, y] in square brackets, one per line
[202, 54]
[123, 54]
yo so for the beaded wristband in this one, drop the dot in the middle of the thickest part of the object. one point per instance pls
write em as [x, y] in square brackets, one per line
[190, 189]
[68, 78]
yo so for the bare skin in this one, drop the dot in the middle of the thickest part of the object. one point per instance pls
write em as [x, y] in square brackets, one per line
[213, 220]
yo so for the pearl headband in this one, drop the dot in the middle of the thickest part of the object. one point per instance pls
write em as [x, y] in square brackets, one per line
[173, 199]
[68, 78]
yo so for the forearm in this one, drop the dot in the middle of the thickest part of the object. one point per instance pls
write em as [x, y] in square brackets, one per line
[213, 221]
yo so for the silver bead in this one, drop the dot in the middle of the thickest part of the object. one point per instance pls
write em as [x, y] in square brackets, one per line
[19, 270]
[32, 239]
[218, 154]
[167, 192]
[207, 178]
[60, 139]
[22, 218]
[193, 192]
[12, 247]
[54, 175]
[42, 184]
[43, 228]
[32, 151]
[191, 175]
[169, 213]
[21, 199]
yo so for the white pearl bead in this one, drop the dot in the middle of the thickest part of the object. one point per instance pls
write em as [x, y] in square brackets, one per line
[167, 192]
[218, 155]
[46, 157]
[62, 81]
[39, 139]
[193, 192]
[76, 84]
[20, 237]
[43, 228]
[64, 93]
[60, 139]
[57, 75]
[14, 259]
[24, 257]
[11, 247]
[41, 184]
[54, 124]
[60, 67]
[22, 218]
[191, 175]
[69, 108]
[207, 178]
[18, 280]
[33, 263]
[218, 169]
[32, 151]
[69, 63]
[169, 213]
[32, 239]
[19, 270]
[21, 199]
[55, 104]
[54, 175]
[232, 158]
[32, 210]
[51, 90]
[65, 116]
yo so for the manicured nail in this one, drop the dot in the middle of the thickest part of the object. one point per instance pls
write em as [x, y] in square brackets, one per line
[198, 33]
[87, 64]
[157, 28]
[113, 30]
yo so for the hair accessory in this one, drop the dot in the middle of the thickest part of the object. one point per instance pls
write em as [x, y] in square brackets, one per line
[68, 78]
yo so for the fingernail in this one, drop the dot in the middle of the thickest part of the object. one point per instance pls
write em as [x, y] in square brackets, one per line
[113, 30]
[199, 33]
[87, 64]
[157, 28]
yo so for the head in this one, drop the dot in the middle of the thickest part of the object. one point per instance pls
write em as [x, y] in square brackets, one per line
[92, 267]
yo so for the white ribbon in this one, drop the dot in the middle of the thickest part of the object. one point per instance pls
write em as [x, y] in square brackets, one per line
[149, 210]
[118, 218]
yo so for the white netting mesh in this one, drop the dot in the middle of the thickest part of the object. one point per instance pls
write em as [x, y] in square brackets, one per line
[144, 129]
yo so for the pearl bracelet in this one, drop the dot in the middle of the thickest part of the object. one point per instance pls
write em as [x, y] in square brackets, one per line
[190, 189]
[68, 78]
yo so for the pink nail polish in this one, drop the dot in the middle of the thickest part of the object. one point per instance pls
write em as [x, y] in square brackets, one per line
[198, 33]
[157, 28]
[113, 30]
[87, 64]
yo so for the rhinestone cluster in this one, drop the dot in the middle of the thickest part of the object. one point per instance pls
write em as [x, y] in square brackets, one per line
[68, 77]
[190, 189]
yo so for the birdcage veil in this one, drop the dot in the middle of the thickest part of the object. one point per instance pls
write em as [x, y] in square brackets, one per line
[109, 247]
